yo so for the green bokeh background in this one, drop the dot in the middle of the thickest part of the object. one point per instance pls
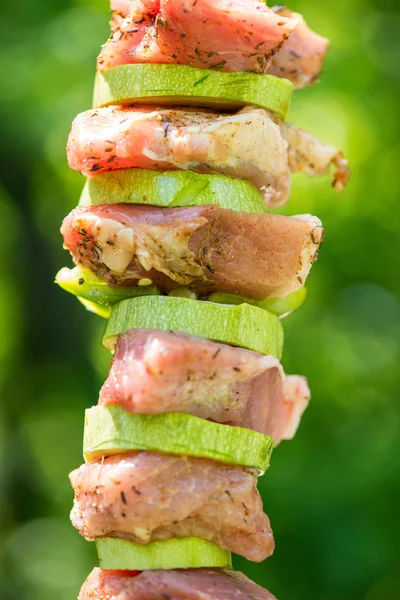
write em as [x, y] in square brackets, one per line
[333, 493]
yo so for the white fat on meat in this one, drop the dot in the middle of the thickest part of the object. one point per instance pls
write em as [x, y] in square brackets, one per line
[155, 246]
[245, 145]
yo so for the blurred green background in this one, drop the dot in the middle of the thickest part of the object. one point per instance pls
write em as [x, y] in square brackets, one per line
[333, 493]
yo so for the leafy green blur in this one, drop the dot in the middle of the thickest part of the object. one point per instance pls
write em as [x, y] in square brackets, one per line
[333, 493]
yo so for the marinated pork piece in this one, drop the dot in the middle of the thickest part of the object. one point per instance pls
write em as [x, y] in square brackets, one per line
[204, 247]
[308, 155]
[302, 56]
[155, 372]
[246, 145]
[190, 584]
[251, 144]
[227, 35]
[299, 57]
[143, 10]
[146, 496]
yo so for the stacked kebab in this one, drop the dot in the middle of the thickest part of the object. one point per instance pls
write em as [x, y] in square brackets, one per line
[184, 152]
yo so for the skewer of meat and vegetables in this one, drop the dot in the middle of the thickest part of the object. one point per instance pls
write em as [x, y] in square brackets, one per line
[185, 152]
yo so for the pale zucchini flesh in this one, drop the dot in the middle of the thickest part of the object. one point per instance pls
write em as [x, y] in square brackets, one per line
[282, 307]
[180, 85]
[172, 189]
[178, 553]
[111, 430]
[242, 325]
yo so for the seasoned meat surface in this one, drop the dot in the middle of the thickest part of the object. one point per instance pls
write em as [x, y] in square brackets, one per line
[206, 248]
[302, 56]
[146, 496]
[227, 35]
[309, 155]
[155, 372]
[245, 145]
[150, 31]
[190, 584]
[251, 144]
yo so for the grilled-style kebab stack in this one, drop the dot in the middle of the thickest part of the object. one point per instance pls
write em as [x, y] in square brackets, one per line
[184, 152]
